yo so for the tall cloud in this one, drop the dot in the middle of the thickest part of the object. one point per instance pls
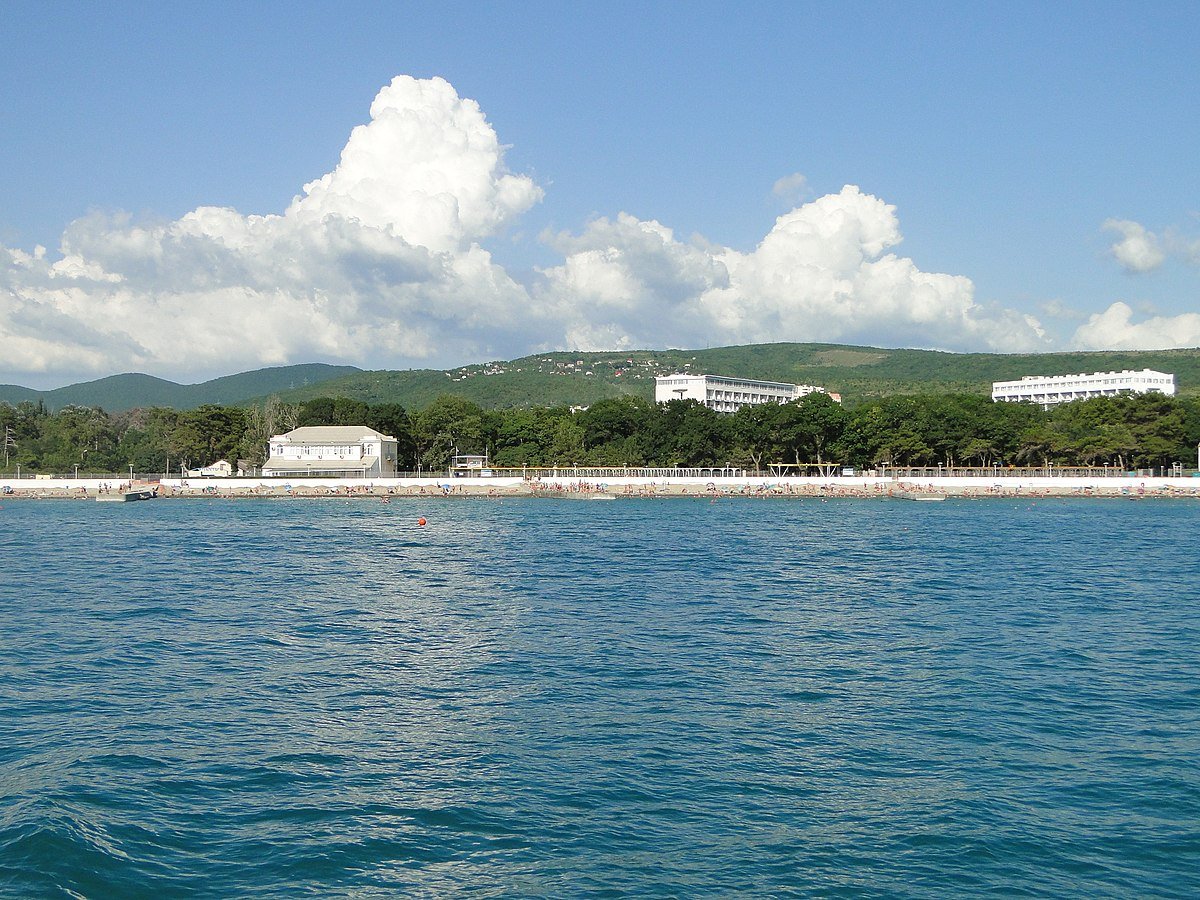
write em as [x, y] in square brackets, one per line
[378, 260]
[427, 168]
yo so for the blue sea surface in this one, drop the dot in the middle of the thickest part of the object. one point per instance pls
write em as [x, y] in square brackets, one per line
[548, 698]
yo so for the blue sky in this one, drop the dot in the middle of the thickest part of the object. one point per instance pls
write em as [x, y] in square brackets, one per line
[1005, 137]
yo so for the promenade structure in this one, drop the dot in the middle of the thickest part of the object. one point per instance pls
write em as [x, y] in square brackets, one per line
[1051, 389]
[727, 395]
[470, 465]
[332, 451]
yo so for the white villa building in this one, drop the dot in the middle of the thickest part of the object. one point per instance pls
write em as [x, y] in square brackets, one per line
[220, 469]
[332, 451]
[728, 395]
[1050, 389]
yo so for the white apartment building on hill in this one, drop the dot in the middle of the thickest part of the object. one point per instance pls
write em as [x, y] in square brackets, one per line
[1051, 389]
[332, 451]
[728, 395]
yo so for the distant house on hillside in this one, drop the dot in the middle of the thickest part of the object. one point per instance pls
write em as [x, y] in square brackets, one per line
[1051, 389]
[332, 451]
[728, 395]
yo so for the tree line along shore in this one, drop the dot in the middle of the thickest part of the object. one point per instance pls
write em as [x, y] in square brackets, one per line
[1126, 432]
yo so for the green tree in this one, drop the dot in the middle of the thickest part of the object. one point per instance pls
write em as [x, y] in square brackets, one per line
[687, 433]
[754, 433]
[613, 420]
[447, 426]
[76, 435]
[145, 439]
[208, 433]
[566, 449]
[1160, 427]
[392, 419]
[885, 432]
[316, 412]
[810, 426]
[525, 436]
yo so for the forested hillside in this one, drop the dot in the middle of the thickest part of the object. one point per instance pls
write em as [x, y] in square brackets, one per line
[857, 373]
[118, 393]
[580, 379]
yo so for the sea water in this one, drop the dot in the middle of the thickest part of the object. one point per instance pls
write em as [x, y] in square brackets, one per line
[547, 698]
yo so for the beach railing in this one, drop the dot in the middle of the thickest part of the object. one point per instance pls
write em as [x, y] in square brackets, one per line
[1048, 471]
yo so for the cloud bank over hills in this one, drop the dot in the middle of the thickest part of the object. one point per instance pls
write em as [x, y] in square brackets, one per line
[382, 263]
[823, 273]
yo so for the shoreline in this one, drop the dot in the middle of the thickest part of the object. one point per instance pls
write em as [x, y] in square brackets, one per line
[386, 489]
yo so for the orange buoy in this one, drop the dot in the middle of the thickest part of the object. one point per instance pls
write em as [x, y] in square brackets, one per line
[421, 521]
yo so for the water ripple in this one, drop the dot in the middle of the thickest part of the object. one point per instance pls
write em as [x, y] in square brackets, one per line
[643, 698]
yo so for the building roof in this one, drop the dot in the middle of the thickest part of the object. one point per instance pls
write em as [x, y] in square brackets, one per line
[729, 379]
[1057, 379]
[331, 434]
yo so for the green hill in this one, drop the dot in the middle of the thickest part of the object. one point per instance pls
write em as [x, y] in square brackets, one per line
[580, 379]
[857, 373]
[120, 392]
[489, 388]
[14, 394]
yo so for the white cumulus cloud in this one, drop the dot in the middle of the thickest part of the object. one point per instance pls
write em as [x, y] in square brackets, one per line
[376, 261]
[1114, 329]
[822, 273]
[380, 262]
[1138, 250]
[790, 187]
[427, 167]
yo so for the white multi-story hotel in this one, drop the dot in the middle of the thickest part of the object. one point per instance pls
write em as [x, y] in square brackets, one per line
[729, 394]
[1050, 389]
[333, 451]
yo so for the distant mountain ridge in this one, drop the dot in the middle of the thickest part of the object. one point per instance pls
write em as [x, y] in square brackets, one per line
[117, 393]
[568, 378]
[857, 373]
